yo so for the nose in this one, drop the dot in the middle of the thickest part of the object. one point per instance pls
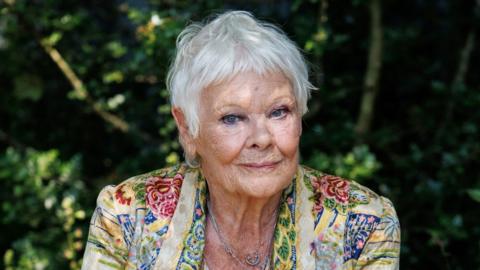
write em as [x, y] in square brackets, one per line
[260, 135]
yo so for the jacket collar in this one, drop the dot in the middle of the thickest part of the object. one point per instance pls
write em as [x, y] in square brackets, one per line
[183, 245]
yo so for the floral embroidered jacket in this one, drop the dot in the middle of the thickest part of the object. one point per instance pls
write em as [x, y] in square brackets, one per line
[157, 221]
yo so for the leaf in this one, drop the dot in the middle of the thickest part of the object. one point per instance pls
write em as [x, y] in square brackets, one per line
[474, 194]
[53, 39]
[309, 45]
[116, 49]
[115, 101]
[113, 76]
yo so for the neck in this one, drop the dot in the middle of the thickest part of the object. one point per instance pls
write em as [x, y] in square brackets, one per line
[243, 216]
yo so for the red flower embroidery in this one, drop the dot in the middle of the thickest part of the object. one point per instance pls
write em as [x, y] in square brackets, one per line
[162, 195]
[335, 187]
[120, 196]
[318, 203]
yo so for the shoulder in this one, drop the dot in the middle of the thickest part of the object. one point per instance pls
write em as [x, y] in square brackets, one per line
[133, 215]
[344, 195]
[370, 227]
[148, 190]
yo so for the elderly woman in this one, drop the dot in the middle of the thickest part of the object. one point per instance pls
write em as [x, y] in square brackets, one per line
[239, 88]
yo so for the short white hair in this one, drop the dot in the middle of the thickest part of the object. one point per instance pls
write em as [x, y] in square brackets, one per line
[233, 42]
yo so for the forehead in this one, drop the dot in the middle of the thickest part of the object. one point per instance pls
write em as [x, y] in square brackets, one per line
[246, 89]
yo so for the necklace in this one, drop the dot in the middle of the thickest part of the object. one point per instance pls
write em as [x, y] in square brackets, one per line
[251, 259]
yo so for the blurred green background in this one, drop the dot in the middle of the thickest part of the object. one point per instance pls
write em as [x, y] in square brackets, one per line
[83, 104]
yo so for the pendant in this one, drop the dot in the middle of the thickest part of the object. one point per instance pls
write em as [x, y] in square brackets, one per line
[252, 259]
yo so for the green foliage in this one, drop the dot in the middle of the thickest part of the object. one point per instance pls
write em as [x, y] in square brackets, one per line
[474, 194]
[42, 209]
[358, 164]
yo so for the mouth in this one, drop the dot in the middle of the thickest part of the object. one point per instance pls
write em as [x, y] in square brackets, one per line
[265, 165]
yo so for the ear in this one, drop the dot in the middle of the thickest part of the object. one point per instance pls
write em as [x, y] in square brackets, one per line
[186, 138]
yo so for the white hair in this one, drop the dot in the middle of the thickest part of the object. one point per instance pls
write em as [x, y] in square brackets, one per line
[232, 43]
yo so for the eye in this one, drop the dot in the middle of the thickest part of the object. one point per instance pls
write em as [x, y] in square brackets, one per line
[231, 119]
[279, 113]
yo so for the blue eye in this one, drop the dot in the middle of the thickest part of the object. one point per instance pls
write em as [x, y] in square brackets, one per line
[279, 113]
[230, 119]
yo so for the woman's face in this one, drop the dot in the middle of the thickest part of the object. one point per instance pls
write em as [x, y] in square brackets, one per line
[249, 134]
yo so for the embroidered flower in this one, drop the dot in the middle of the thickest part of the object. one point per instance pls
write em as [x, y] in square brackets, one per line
[359, 228]
[121, 196]
[290, 201]
[150, 218]
[318, 198]
[162, 195]
[360, 244]
[335, 187]
[318, 205]
[370, 219]
[361, 219]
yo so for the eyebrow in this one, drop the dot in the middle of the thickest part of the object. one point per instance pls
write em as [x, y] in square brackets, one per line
[285, 98]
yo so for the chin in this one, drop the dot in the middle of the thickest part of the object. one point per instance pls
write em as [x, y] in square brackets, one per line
[266, 186]
[270, 181]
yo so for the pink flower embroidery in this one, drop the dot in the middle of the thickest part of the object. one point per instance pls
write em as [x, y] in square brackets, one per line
[360, 244]
[289, 201]
[335, 187]
[162, 195]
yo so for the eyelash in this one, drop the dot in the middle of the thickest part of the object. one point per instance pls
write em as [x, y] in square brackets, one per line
[225, 119]
[232, 119]
[284, 110]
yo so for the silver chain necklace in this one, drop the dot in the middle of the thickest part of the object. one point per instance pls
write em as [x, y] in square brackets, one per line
[251, 259]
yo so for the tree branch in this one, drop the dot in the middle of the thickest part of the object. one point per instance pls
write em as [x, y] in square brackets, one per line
[318, 70]
[77, 84]
[80, 89]
[372, 75]
[458, 82]
[464, 60]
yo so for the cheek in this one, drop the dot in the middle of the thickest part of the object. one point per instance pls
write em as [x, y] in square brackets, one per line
[222, 145]
[287, 137]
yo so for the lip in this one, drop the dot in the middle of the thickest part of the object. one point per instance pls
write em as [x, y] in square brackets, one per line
[261, 165]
